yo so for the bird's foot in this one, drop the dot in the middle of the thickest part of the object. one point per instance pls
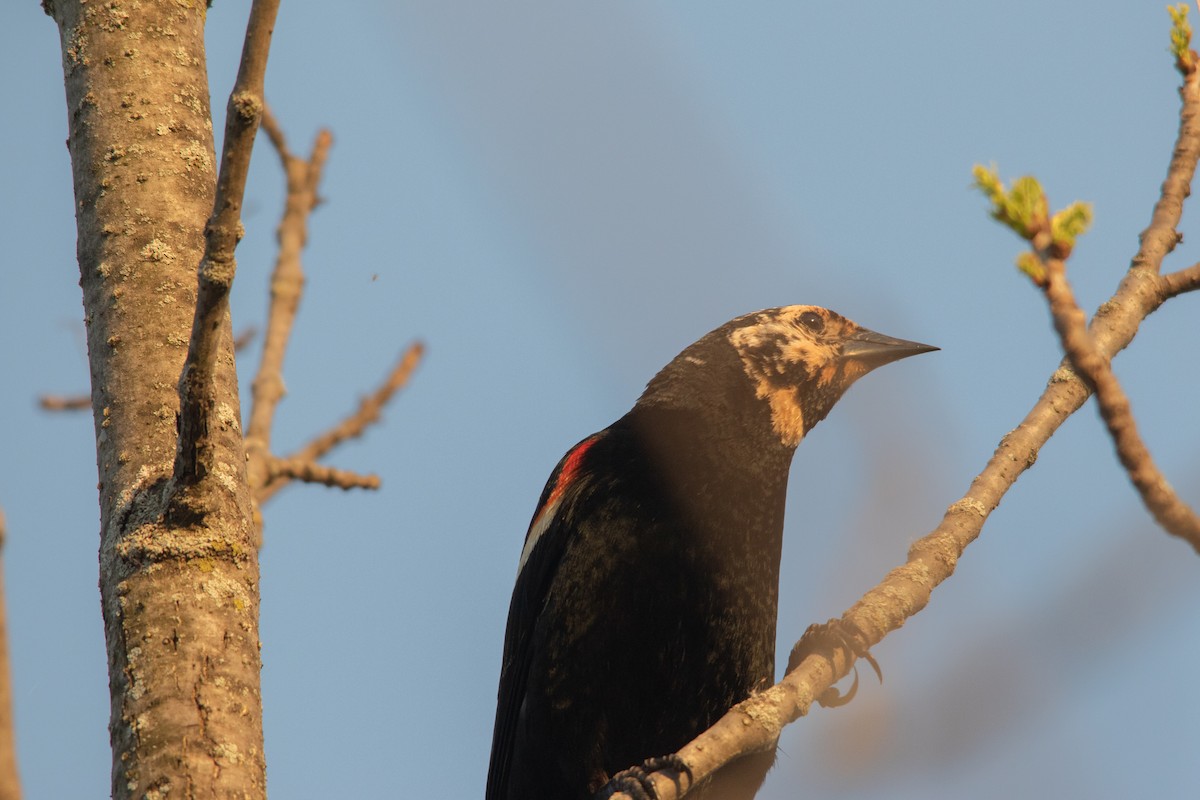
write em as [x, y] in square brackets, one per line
[636, 782]
[822, 639]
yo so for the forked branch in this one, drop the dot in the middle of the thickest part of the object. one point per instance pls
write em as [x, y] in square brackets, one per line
[267, 472]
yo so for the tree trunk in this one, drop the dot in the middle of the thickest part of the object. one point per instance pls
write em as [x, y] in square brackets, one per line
[178, 571]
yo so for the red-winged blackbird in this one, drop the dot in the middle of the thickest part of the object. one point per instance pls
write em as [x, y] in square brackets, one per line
[647, 590]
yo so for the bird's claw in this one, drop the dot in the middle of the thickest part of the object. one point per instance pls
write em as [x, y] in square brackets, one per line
[823, 638]
[636, 782]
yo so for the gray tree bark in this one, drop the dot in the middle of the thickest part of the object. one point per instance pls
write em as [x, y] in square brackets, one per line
[178, 566]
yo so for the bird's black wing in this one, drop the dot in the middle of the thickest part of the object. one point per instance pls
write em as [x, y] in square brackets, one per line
[545, 543]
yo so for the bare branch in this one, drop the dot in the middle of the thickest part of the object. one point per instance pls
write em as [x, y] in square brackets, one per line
[287, 288]
[355, 425]
[1160, 499]
[224, 230]
[312, 472]
[369, 407]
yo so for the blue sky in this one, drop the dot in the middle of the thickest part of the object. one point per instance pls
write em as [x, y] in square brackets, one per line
[557, 198]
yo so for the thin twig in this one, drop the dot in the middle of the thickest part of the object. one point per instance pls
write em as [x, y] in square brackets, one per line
[354, 425]
[54, 402]
[312, 472]
[1160, 499]
[369, 407]
[287, 287]
[755, 724]
[218, 266]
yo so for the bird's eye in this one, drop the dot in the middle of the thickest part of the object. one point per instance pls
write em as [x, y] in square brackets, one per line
[813, 321]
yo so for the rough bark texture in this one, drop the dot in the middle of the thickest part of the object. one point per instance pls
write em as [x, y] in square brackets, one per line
[179, 583]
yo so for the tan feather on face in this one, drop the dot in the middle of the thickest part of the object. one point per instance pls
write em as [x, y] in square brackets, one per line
[782, 355]
[786, 416]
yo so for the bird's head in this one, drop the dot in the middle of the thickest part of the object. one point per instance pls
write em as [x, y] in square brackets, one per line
[796, 360]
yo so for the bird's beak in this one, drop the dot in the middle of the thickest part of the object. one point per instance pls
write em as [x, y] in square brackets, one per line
[873, 349]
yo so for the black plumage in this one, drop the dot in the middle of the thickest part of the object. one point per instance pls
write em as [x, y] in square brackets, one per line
[646, 596]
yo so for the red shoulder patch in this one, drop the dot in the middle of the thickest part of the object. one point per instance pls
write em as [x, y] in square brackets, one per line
[570, 468]
[564, 477]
